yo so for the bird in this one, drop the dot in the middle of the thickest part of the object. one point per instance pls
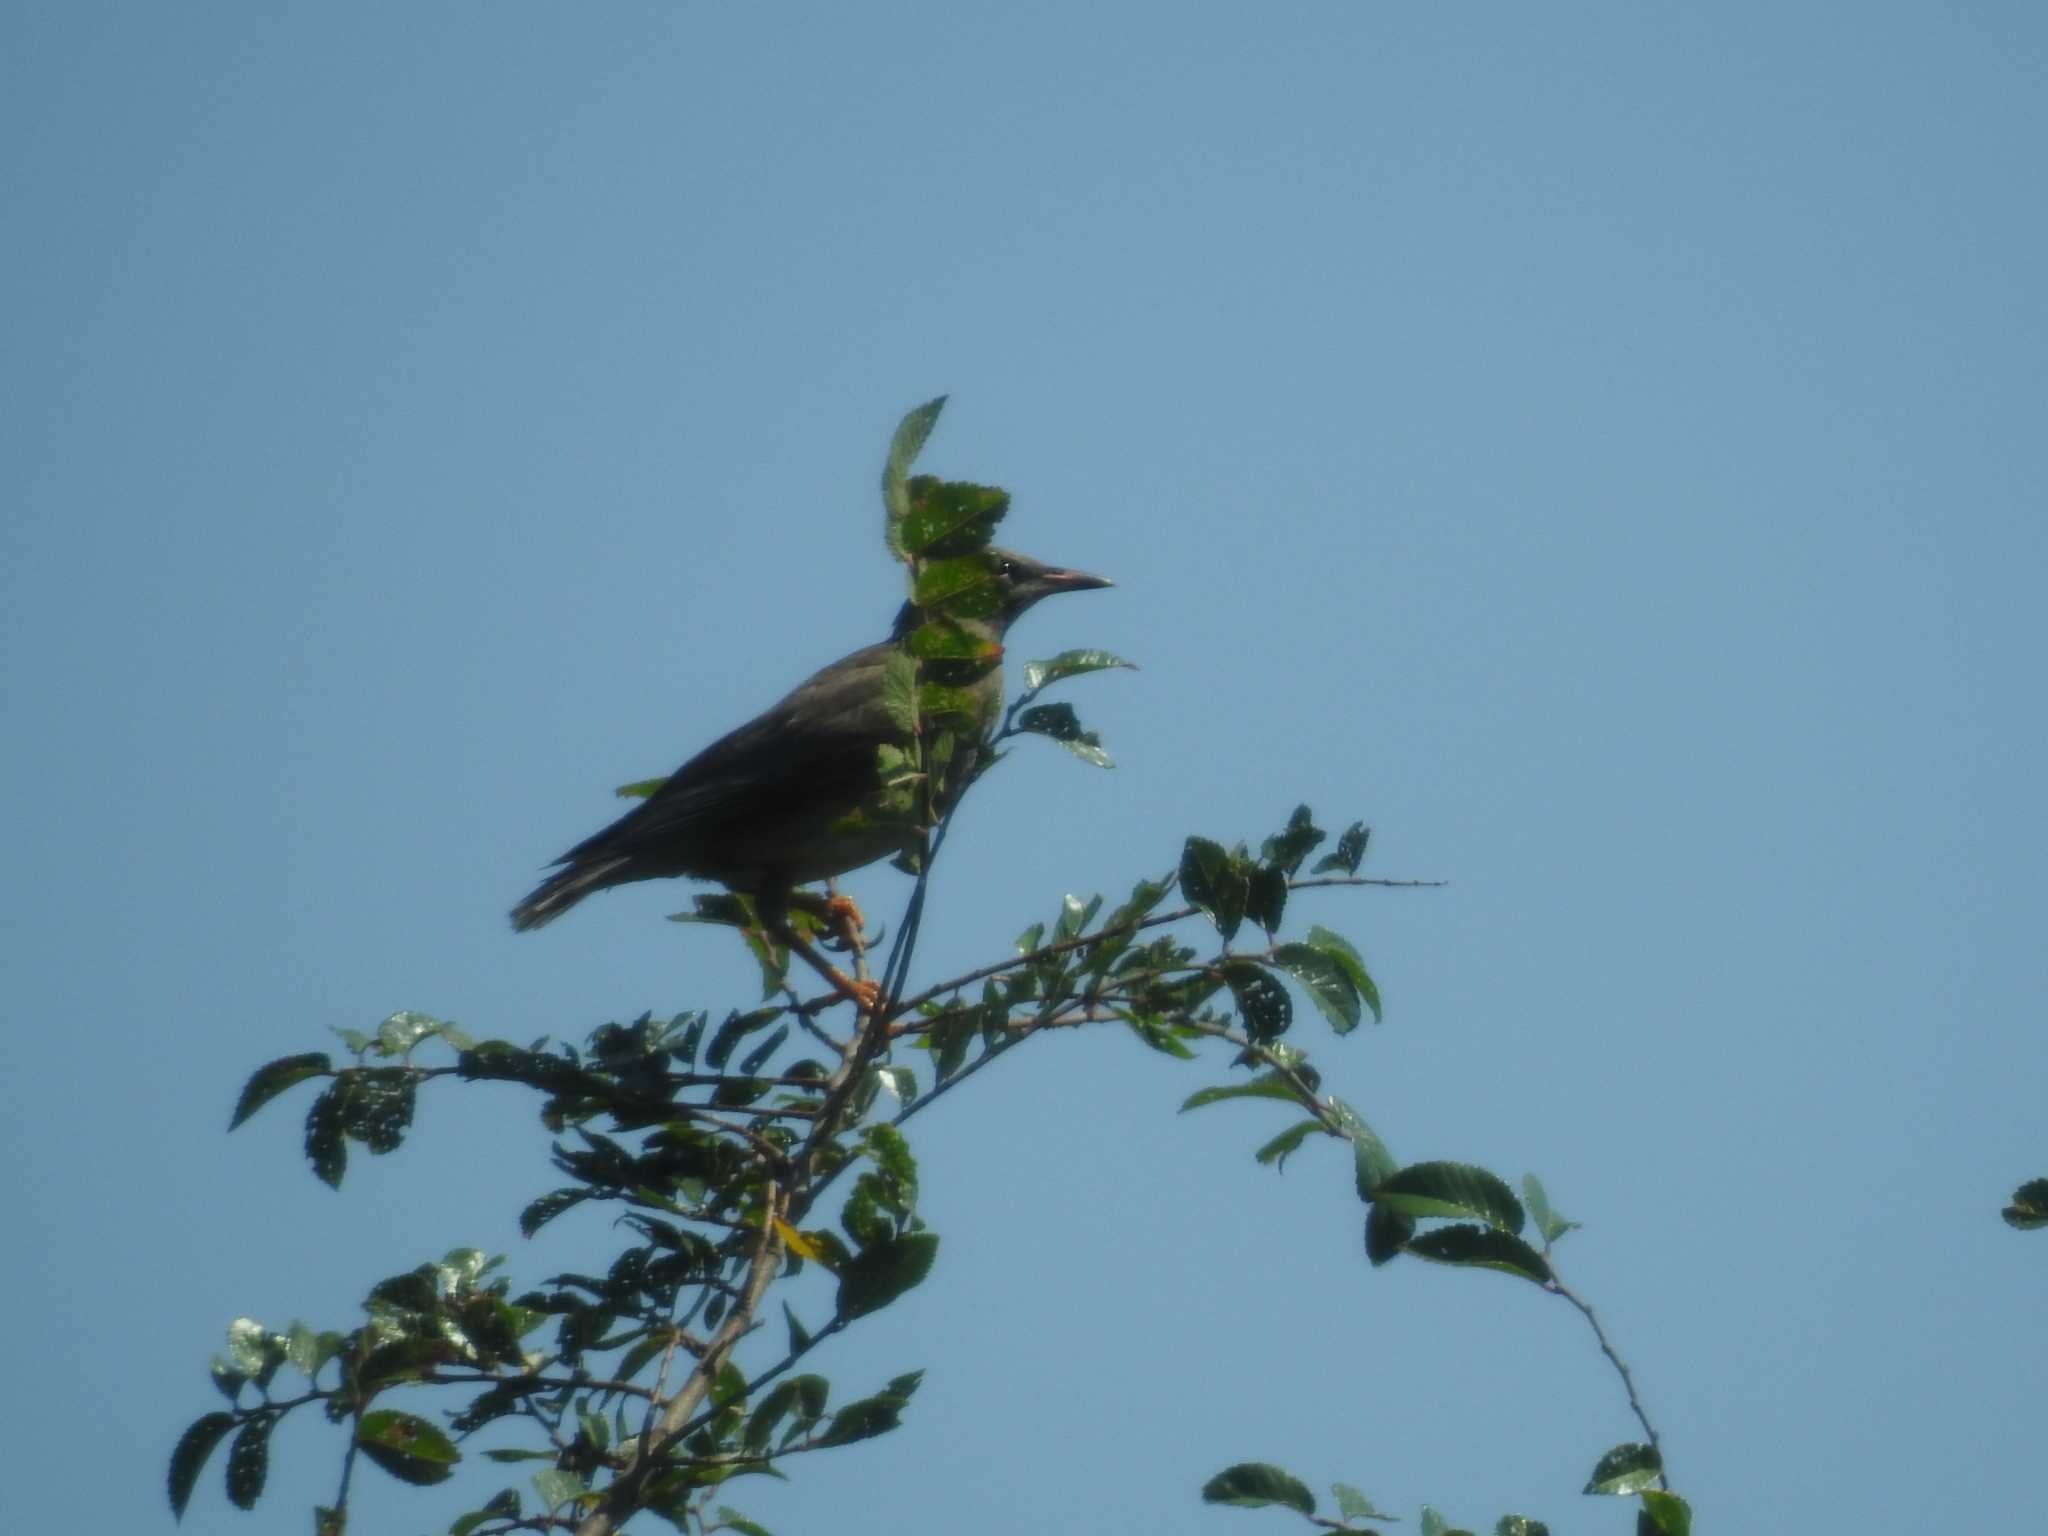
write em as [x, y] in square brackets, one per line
[778, 803]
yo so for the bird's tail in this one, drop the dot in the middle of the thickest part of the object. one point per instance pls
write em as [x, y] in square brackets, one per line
[562, 890]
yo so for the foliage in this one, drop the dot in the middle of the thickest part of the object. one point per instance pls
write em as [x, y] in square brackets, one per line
[738, 1150]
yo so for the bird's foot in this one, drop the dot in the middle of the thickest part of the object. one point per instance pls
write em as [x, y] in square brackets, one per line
[845, 925]
[867, 995]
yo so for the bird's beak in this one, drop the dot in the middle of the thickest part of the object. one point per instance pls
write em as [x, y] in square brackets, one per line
[1059, 580]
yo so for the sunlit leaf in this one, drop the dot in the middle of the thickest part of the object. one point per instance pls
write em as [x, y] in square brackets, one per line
[1256, 1484]
[1627, 1469]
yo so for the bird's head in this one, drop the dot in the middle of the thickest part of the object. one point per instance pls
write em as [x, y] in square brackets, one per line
[1022, 581]
[1015, 583]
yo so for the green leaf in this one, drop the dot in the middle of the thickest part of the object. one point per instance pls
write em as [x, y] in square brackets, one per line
[405, 1029]
[1663, 1514]
[1481, 1248]
[378, 1106]
[1256, 1484]
[326, 1149]
[557, 1487]
[1289, 1141]
[876, 1276]
[1041, 674]
[1285, 850]
[1354, 1505]
[641, 789]
[1387, 1232]
[737, 1026]
[1268, 1085]
[871, 1416]
[1433, 1524]
[1156, 1034]
[963, 587]
[1328, 984]
[189, 1459]
[266, 1083]
[1349, 852]
[905, 445]
[2029, 1208]
[1211, 880]
[899, 693]
[1548, 1221]
[755, 1059]
[1061, 723]
[943, 638]
[1262, 1002]
[951, 517]
[1375, 1162]
[1626, 1470]
[1266, 897]
[249, 1461]
[408, 1447]
[1346, 958]
[1519, 1525]
[1452, 1189]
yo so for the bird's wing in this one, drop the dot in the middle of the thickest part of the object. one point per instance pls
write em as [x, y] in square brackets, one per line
[818, 743]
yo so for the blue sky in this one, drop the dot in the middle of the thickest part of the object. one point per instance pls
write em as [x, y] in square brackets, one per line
[1599, 447]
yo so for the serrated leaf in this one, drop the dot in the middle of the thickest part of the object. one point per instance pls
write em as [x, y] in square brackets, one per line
[1328, 984]
[557, 1488]
[963, 587]
[1256, 1484]
[1269, 1085]
[1340, 951]
[1452, 1189]
[267, 1082]
[1262, 1002]
[2029, 1208]
[249, 1461]
[949, 518]
[1212, 882]
[1285, 850]
[403, 1030]
[326, 1148]
[943, 638]
[1374, 1162]
[1664, 1514]
[1041, 674]
[877, 1275]
[1387, 1233]
[1289, 1141]
[1349, 852]
[757, 1058]
[1626, 1470]
[1548, 1221]
[1354, 1505]
[899, 693]
[408, 1447]
[1266, 897]
[905, 444]
[188, 1460]
[737, 1026]
[1481, 1248]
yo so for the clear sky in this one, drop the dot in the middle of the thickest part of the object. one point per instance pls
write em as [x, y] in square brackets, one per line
[1600, 446]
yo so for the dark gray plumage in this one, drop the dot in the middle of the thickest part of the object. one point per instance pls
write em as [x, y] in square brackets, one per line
[759, 810]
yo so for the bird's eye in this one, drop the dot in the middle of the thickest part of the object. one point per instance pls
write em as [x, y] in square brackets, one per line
[1005, 568]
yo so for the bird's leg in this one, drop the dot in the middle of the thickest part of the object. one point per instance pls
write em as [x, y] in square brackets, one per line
[863, 991]
[775, 918]
[841, 916]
